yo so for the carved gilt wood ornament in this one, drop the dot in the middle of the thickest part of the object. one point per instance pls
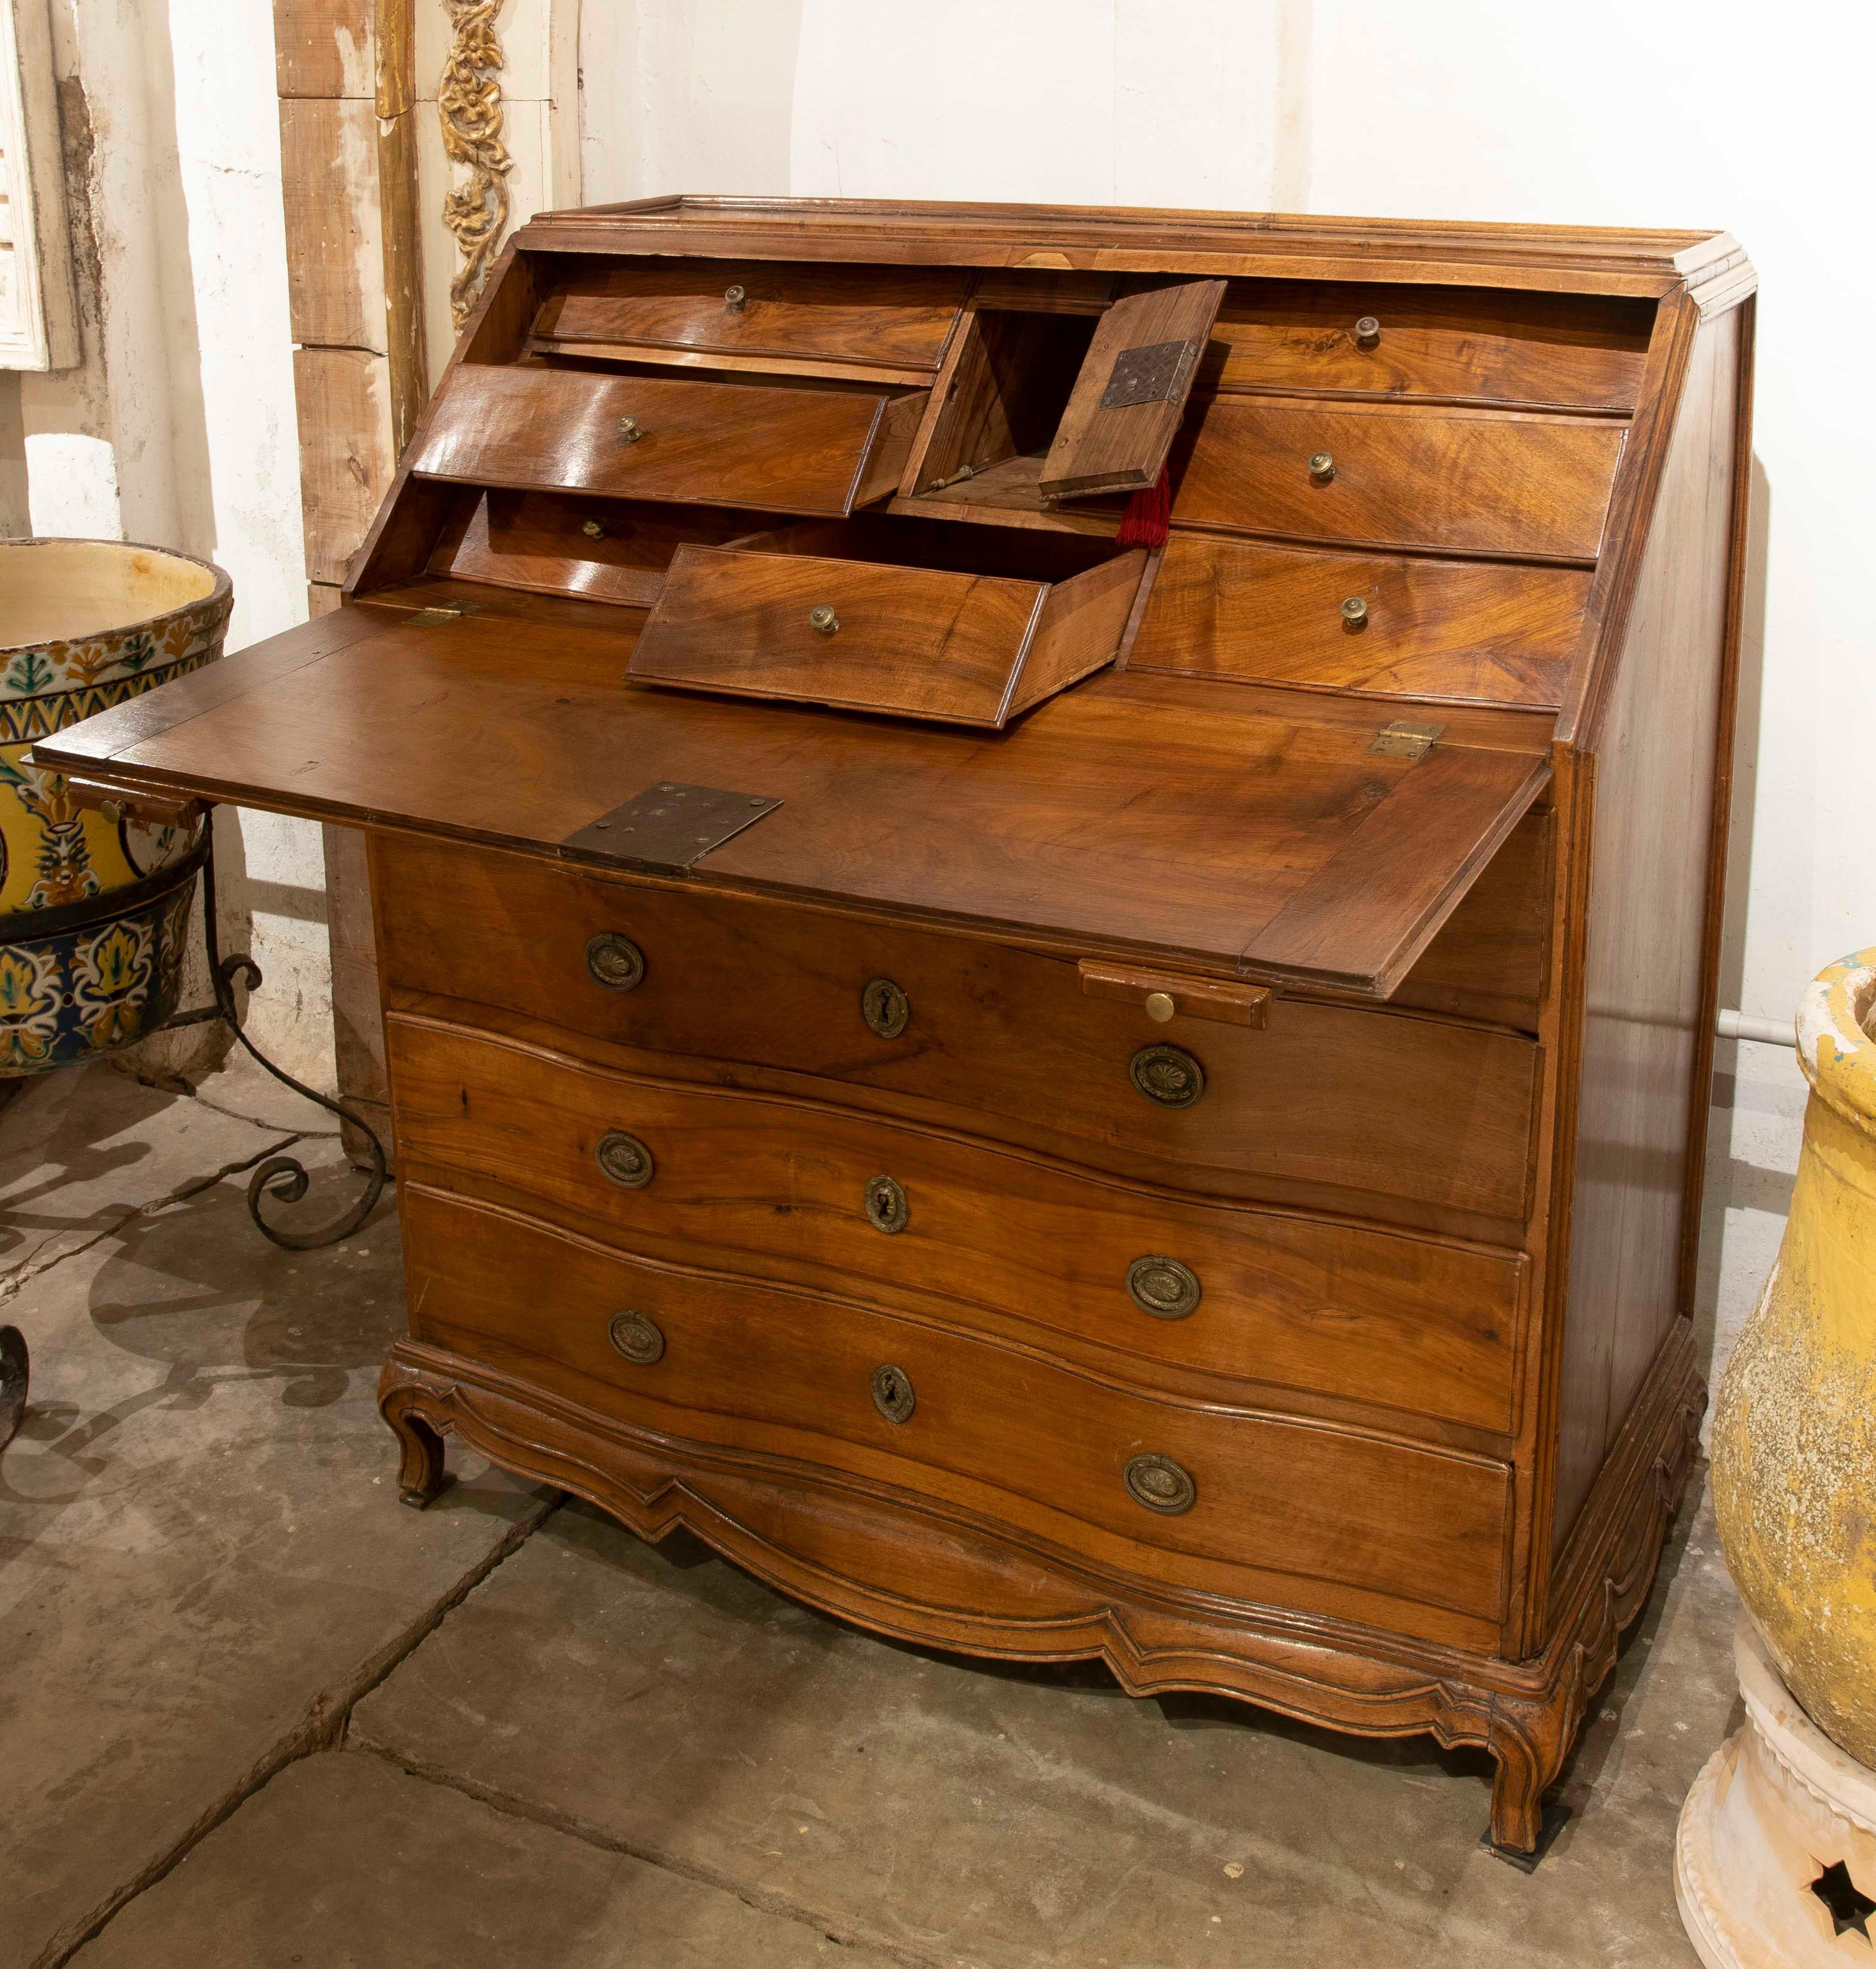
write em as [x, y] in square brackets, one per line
[468, 101]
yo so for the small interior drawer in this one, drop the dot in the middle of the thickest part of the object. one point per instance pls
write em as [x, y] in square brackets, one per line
[898, 617]
[1468, 482]
[797, 447]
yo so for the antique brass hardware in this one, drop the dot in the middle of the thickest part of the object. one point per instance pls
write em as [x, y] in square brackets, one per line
[1354, 613]
[623, 1160]
[1322, 467]
[1160, 1006]
[887, 1209]
[640, 1340]
[1368, 332]
[823, 618]
[734, 299]
[892, 1393]
[615, 961]
[1163, 1287]
[1233, 1004]
[1160, 1484]
[885, 1007]
[1402, 741]
[629, 431]
[594, 530]
[1166, 1075]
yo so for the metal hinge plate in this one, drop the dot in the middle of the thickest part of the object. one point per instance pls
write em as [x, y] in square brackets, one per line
[428, 618]
[669, 827]
[1153, 373]
[1401, 740]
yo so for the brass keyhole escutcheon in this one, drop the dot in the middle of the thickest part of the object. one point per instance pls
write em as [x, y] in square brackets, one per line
[640, 1340]
[1368, 332]
[1163, 1287]
[824, 619]
[892, 1393]
[1160, 1484]
[887, 1209]
[594, 530]
[623, 1160]
[734, 301]
[1322, 467]
[615, 961]
[629, 430]
[1167, 1074]
[1354, 613]
[885, 1008]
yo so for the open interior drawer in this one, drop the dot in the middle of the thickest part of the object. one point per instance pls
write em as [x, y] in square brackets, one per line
[901, 616]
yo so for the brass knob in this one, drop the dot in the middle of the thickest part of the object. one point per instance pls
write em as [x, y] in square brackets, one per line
[1160, 1006]
[1368, 332]
[1160, 1484]
[639, 1339]
[615, 961]
[734, 300]
[886, 1208]
[628, 430]
[110, 811]
[1355, 612]
[885, 1008]
[1163, 1287]
[1166, 1076]
[892, 1393]
[1322, 467]
[623, 1160]
[594, 530]
[824, 619]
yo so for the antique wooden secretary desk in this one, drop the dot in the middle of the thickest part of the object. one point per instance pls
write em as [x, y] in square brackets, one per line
[1054, 1087]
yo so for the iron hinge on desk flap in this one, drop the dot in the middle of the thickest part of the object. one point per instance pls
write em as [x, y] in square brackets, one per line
[444, 611]
[669, 827]
[1153, 373]
[1401, 740]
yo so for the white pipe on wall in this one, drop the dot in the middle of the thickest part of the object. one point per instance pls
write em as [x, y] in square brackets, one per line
[1732, 1025]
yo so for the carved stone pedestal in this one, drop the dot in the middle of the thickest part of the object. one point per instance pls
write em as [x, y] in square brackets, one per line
[1775, 1864]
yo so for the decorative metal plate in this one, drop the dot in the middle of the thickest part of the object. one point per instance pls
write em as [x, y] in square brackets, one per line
[615, 961]
[886, 1208]
[1154, 373]
[885, 1008]
[668, 828]
[640, 1340]
[1403, 740]
[1160, 1484]
[892, 1393]
[623, 1160]
[1163, 1287]
[1168, 1074]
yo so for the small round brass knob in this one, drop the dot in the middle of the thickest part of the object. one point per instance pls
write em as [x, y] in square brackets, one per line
[1167, 1075]
[1368, 332]
[1322, 467]
[886, 1208]
[594, 530]
[892, 1393]
[1163, 1287]
[734, 300]
[823, 618]
[1160, 1484]
[885, 1008]
[623, 1160]
[639, 1339]
[615, 961]
[1355, 612]
[629, 431]
[1160, 1006]
[110, 812]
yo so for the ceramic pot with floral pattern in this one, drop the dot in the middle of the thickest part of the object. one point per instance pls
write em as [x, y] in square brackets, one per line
[93, 913]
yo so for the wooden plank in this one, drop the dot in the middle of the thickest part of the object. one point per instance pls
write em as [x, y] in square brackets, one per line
[347, 458]
[335, 224]
[357, 1018]
[324, 48]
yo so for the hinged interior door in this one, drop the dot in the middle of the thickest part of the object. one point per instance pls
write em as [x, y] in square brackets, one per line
[1131, 394]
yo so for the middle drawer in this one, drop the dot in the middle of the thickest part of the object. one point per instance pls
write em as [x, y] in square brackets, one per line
[786, 1190]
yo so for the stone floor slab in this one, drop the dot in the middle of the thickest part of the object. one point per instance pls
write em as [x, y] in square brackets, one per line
[957, 1813]
[202, 1550]
[344, 1862]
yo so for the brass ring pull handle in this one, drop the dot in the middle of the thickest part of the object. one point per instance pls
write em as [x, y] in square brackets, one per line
[892, 1393]
[615, 961]
[734, 301]
[1166, 1075]
[885, 1008]
[885, 1205]
[629, 430]
[1160, 1484]
[824, 619]
[623, 1160]
[1354, 613]
[640, 1340]
[1368, 332]
[1322, 467]
[1163, 1287]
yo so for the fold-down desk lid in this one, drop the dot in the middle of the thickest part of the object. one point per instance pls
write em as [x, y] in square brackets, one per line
[1237, 830]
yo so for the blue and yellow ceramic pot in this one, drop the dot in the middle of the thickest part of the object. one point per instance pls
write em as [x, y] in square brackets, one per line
[93, 913]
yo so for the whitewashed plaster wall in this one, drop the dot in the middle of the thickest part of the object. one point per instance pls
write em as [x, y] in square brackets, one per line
[179, 428]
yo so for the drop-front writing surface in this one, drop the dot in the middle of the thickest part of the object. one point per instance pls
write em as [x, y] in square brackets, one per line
[1121, 1154]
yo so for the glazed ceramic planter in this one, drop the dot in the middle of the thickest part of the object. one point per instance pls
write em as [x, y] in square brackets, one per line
[1794, 1427]
[93, 913]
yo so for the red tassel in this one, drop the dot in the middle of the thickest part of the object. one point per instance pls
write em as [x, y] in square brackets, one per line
[1148, 518]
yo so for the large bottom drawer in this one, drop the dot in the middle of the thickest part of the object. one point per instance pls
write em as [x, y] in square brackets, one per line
[1222, 1501]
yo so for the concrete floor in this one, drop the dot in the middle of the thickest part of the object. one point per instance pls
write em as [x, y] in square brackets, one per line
[253, 1712]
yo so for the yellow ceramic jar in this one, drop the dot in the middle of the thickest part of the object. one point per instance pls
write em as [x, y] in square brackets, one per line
[1794, 1427]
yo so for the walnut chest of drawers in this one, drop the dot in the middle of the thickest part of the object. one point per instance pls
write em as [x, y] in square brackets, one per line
[1046, 886]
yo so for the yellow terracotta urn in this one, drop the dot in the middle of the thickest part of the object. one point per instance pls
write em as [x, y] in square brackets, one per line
[1794, 1426]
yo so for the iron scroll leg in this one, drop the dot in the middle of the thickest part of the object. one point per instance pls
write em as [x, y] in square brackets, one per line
[281, 1177]
[13, 1379]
